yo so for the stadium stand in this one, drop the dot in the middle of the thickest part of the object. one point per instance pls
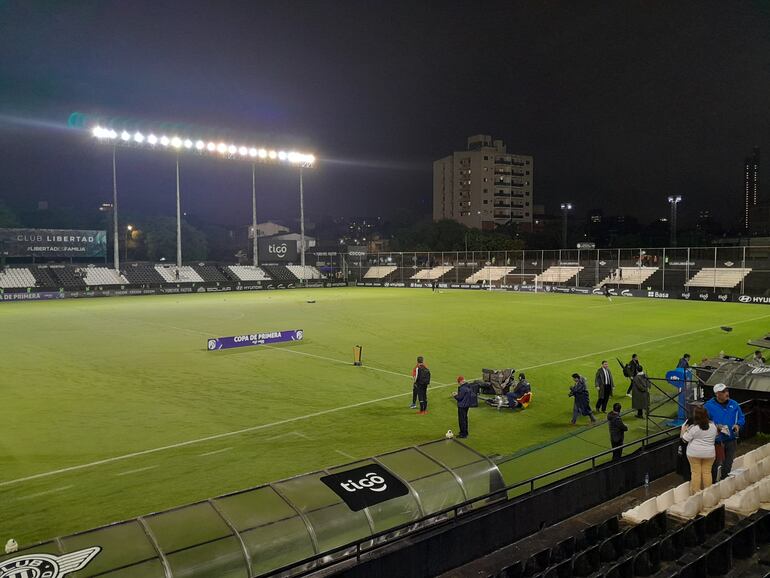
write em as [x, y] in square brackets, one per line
[380, 272]
[44, 278]
[432, 274]
[68, 278]
[186, 274]
[558, 274]
[280, 273]
[458, 274]
[629, 276]
[723, 277]
[139, 274]
[211, 273]
[16, 278]
[308, 272]
[101, 276]
[249, 273]
[489, 273]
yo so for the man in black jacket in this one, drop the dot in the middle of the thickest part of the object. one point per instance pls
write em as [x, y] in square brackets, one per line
[631, 370]
[604, 386]
[617, 431]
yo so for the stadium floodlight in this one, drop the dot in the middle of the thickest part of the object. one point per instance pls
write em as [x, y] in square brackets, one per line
[565, 209]
[674, 200]
[178, 142]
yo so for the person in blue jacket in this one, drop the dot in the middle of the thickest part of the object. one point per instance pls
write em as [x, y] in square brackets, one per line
[728, 416]
[465, 400]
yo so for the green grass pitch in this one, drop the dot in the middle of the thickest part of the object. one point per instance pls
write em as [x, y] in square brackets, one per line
[105, 401]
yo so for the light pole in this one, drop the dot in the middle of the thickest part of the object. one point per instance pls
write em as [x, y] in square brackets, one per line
[129, 228]
[674, 200]
[565, 209]
[302, 225]
[116, 247]
[254, 211]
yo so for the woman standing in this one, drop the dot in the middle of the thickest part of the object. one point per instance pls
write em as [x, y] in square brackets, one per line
[700, 435]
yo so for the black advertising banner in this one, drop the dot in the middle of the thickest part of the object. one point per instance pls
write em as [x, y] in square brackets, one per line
[53, 243]
[365, 486]
[277, 250]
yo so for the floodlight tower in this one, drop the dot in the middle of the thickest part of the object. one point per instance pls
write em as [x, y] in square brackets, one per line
[674, 200]
[179, 145]
[565, 209]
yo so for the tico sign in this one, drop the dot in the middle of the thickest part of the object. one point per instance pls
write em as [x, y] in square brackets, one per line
[365, 486]
[277, 250]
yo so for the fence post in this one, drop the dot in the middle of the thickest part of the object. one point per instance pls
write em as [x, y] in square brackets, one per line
[663, 264]
[715, 270]
[743, 266]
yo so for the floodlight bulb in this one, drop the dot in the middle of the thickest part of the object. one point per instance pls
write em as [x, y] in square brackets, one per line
[199, 144]
[211, 147]
[262, 153]
[243, 151]
[164, 140]
[138, 137]
[232, 149]
[188, 143]
[294, 157]
[125, 136]
[222, 148]
[272, 154]
[176, 142]
[252, 152]
[97, 132]
[152, 139]
[310, 159]
[282, 155]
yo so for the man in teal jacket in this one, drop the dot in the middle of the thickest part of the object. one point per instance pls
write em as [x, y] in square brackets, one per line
[727, 415]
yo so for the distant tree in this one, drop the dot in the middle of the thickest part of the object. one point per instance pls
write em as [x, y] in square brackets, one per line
[160, 240]
[8, 218]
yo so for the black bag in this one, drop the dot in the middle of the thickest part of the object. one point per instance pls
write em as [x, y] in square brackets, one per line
[423, 376]
[627, 370]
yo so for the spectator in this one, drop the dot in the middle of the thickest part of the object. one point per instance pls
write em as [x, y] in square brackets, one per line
[630, 370]
[700, 436]
[728, 416]
[604, 386]
[640, 395]
[758, 359]
[465, 400]
[421, 375]
[617, 431]
[684, 363]
[582, 403]
[414, 382]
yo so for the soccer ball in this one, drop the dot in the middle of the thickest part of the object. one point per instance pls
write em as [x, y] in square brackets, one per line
[449, 435]
[11, 546]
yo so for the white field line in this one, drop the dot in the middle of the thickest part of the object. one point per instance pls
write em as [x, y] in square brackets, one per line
[291, 433]
[334, 409]
[136, 471]
[216, 452]
[345, 454]
[38, 494]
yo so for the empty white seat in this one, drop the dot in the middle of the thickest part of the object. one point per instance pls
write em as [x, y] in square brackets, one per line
[741, 480]
[726, 488]
[629, 276]
[558, 274]
[186, 274]
[432, 274]
[681, 493]
[489, 273]
[103, 276]
[16, 278]
[642, 512]
[379, 272]
[724, 277]
[745, 502]
[764, 491]
[665, 500]
[249, 273]
[711, 497]
[306, 272]
[754, 473]
[688, 509]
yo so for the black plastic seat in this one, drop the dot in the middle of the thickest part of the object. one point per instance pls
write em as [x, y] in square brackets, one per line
[587, 562]
[657, 526]
[561, 570]
[623, 569]
[591, 534]
[563, 550]
[694, 566]
[612, 548]
[719, 560]
[609, 527]
[715, 520]
[672, 546]
[635, 537]
[647, 561]
[514, 570]
[538, 562]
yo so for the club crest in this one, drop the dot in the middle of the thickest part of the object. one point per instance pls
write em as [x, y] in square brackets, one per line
[47, 565]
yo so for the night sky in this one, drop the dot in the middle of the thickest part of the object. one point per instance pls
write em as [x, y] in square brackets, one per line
[621, 103]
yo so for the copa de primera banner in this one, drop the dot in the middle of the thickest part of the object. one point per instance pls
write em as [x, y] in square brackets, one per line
[53, 243]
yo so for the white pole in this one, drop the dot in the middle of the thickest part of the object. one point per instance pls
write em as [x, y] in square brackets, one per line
[302, 225]
[178, 222]
[115, 243]
[254, 210]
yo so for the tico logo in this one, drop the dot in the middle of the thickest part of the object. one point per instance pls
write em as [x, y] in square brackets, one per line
[278, 250]
[365, 486]
[371, 480]
[47, 565]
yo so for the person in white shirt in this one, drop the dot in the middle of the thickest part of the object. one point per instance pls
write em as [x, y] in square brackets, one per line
[700, 434]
